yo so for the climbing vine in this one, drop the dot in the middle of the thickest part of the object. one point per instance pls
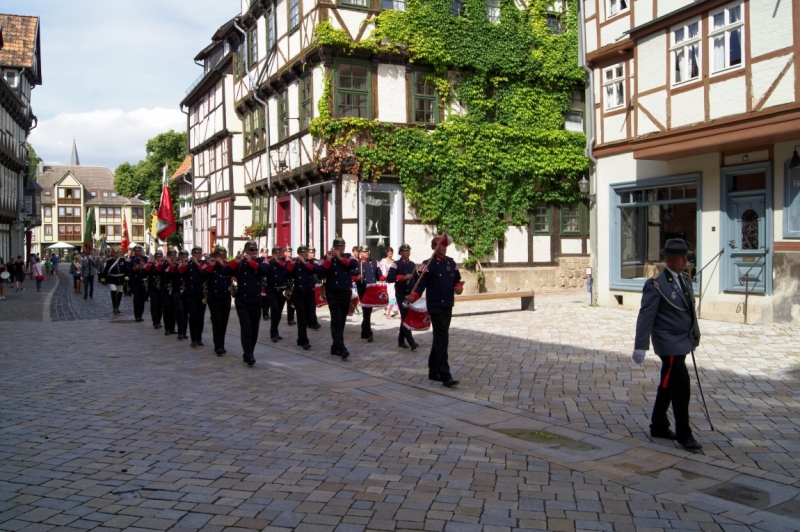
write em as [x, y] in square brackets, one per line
[505, 88]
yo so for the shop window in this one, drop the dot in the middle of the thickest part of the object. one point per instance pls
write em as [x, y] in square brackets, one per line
[381, 218]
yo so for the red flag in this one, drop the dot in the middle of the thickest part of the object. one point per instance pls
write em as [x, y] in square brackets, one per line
[165, 214]
[125, 242]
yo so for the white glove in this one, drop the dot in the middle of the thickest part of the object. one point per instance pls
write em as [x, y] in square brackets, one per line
[638, 356]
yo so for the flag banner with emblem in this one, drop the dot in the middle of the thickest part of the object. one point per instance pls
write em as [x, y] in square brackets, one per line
[103, 245]
[165, 214]
[125, 243]
[154, 225]
[89, 230]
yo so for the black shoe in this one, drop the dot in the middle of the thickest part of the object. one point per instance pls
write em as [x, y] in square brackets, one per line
[250, 361]
[220, 352]
[450, 382]
[292, 323]
[265, 318]
[435, 378]
[167, 333]
[157, 325]
[193, 344]
[402, 345]
[316, 326]
[181, 337]
[345, 354]
[307, 347]
[85, 297]
[200, 343]
[370, 339]
[139, 319]
[276, 338]
[690, 444]
[662, 433]
[414, 346]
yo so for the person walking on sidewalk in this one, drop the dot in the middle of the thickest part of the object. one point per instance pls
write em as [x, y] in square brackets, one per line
[5, 275]
[667, 315]
[113, 275]
[54, 262]
[90, 265]
[18, 273]
[75, 272]
[38, 272]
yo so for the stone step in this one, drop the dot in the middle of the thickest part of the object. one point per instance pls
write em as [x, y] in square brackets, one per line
[732, 311]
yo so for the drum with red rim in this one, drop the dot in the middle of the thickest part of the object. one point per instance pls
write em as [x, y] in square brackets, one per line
[353, 303]
[377, 295]
[317, 300]
[417, 318]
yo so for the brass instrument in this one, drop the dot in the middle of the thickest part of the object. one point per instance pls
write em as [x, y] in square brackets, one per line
[232, 288]
[289, 290]
[322, 295]
[205, 293]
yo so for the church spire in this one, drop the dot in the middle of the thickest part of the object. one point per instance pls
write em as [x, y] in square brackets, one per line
[74, 161]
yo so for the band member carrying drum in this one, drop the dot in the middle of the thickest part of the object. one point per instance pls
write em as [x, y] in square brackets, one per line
[401, 273]
[367, 275]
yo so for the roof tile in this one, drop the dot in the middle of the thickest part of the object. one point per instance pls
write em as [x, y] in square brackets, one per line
[19, 40]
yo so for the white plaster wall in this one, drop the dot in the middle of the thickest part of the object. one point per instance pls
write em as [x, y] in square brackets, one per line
[350, 235]
[765, 73]
[613, 31]
[784, 92]
[597, 129]
[589, 8]
[644, 124]
[515, 247]
[727, 98]
[541, 248]
[591, 34]
[350, 198]
[687, 108]
[643, 12]
[652, 61]
[572, 246]
[671, 5]
[614, 127]
[317, 86]
[272, 105]
[770, 26]
[391, 93]
[352, 20]
[292, 108]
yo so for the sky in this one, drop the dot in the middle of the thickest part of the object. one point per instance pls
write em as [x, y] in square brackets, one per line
[114, 72]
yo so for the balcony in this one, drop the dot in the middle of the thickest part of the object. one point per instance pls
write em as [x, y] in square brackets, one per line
[210, 63]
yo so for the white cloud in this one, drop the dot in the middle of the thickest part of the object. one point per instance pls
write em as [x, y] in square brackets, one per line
[105, 137]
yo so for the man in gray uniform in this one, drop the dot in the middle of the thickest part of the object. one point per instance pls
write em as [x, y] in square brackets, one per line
[667, 315]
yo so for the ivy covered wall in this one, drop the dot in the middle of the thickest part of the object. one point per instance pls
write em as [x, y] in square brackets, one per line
[475, 170]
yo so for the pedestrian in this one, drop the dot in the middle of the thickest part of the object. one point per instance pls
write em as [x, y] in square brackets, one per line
[218, 290]
[385, 264]
[302, 271]
[114, 276]
[90, 266]
[249, 270]
[5, 275]
[338, 269]
[442, 280]
[38, 272]
[54, 262]
[667, 316]
[75, 271]
[18, 274]
[368, 273]
[153, 274]
[135, 275]
[401, 276]
[47, 266]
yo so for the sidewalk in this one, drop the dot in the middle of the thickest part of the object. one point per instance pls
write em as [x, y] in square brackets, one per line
[28, 305]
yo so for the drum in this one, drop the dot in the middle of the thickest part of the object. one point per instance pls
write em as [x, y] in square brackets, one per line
[376, 296]
[418, 318]
[317, 293]
[353, 303]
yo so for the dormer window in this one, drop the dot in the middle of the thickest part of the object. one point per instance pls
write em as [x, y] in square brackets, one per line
[12, 78]
[105, 194]
[94, 194]
[113, 194]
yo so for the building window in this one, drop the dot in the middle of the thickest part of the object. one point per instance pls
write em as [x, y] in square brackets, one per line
[46, 192]
[48, 212]
[102, 212]
[113, 194]
[685, 52]
[355, 3]
[294, 14]
[257, 210]
[283, 121]
[239, 69]
[105, 194]
[426, 106]
[397, 5]
[615, 7]
[117, 212]
[138, 231]
[458, 8]
[726, 38]
[614, 85]
[48, 230]
[541, 218]
[572, 218]
[212, 159]
[381, 217]
[493, 11]
[223, 209]
[137, 213]
[252, 46]
[306, 102]
[11, 78]
[573, 120]
[352, 91]
[247, 130]
[270, 29]
[647, 217]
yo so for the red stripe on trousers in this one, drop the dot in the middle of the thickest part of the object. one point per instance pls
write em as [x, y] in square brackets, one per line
[665, 384]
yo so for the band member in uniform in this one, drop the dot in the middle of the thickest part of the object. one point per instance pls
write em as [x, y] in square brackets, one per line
[114, 277]
[442, 280]
[153, 275]
[401, 273]
[366, 274]
[287, 255]
[219, 297]
[312, 258]
[667, 315]
[302, 271]
[135, 275]
[264, 298]
[276, 284]
[178, 283]
[249, 270]
[167, 303]
[337, 271]
[194, 296]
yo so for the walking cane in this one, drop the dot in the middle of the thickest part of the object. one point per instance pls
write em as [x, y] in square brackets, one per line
[699, 387]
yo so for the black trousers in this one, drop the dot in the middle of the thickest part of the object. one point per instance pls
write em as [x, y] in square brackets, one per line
[179, 310]
[339, 306]
[405, 333]
[155, 304]
[197, 315]
[167, 310]
[88, 286]
[437, 360]
[276, 303]
[304, 302]
[126, 288]
[137, 288]
[116, 297]
[366, 322]
[265, 307]
[220, 310]
[313, 321]
[249, 318]
[290, 311]
[673, 388]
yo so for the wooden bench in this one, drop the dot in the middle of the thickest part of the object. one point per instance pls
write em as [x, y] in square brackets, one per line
[526, 298]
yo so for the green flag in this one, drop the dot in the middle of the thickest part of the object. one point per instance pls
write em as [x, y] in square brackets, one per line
[87, 234]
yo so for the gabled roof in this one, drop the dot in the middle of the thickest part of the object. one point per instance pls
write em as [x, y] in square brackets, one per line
[184, 168]
[19, 42]
[93, 178]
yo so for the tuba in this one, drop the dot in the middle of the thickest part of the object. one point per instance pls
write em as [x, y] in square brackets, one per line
[322, 294]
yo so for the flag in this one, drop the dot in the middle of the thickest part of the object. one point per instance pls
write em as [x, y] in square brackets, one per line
[153, 225]
[125, 242]
[165, 214]
[87, 234]
[103, 245]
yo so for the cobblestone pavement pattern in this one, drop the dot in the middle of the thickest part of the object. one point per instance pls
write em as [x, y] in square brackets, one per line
[108, 425]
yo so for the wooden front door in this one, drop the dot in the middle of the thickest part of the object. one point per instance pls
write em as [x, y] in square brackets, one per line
[283, 234]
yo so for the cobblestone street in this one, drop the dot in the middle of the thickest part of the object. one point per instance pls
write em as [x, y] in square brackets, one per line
[106, 424]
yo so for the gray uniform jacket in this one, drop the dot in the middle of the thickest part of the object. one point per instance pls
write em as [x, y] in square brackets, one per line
[90, 266]
[666, 317]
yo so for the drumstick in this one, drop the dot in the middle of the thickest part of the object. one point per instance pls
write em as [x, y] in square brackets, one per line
[425, 267]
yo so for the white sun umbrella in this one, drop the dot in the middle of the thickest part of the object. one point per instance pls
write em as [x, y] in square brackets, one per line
[60, 245]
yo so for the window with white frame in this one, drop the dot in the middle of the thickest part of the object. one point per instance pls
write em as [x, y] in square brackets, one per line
[725, 34]
[493, 11]
[223, 210]
[270, 29]
[614, 86]
[615, 7]
[685, 52]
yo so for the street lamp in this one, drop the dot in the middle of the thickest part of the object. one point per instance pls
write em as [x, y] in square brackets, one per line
[583, 186]
[795, 162]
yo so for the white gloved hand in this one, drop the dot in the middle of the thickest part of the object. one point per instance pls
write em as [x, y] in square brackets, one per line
[638, 356]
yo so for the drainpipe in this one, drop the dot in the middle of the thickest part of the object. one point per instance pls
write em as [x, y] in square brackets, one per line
[254, 87]
[590, 139]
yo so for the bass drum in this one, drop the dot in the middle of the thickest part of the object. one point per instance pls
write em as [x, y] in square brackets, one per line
[417, 318]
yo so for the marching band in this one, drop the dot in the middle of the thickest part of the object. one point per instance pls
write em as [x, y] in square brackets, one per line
[180, 286]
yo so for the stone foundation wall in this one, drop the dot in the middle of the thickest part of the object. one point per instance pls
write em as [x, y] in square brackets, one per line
[568, 275]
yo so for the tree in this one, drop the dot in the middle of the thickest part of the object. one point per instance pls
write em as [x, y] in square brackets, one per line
[34, 162]
[144, 178]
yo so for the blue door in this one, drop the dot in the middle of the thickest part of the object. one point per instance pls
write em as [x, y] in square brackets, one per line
[747, 246]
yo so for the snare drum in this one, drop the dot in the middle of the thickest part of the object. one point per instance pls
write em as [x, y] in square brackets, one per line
[376, 296]
[417, 318]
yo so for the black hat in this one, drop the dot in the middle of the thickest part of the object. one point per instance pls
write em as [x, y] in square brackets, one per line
[197, 249]
[312, 249]
[339, 241]
[405, 247]
[219, 250]
[250, 244]
[277, 249]
[172, 252]
[301, 248]
[158, 254]
[363, 247]
[183, 253]
[288, 248]
[675, 246]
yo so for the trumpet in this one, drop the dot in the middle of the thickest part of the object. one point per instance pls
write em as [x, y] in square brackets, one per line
[289, 290]
[205, 293]
[322, 293]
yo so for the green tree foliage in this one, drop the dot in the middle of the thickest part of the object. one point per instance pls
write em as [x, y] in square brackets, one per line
[34, 162]
[507, 150]
[144, 178]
